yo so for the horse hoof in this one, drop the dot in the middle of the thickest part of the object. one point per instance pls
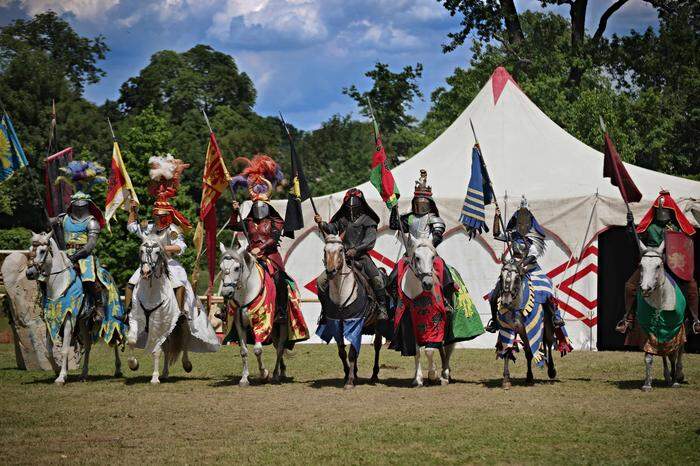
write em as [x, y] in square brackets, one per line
[417, 383]
[118, 374]
[243, 383]
[646, 388]
[155, 381]
[444, 381]
[349, 386]
[506, 385]
[552, 374]
[530, 382]
[59, 383]
[276, 379]
[133, 364]
[676, 385]
[83, 379]
[187, 366]
[374, 380]
[432, 375]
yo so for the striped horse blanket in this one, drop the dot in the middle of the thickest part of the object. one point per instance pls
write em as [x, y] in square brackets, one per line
[537, 290]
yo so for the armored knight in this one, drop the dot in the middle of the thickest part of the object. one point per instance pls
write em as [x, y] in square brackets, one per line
[168, 224]
[664, 216]
[526, 238]
[357, 223]
[263, 226]
[424, 219]
[81, 225]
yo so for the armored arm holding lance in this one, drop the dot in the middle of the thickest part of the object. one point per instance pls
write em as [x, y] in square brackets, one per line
[394, 220]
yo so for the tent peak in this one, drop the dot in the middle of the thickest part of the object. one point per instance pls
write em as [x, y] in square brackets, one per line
[499, 79]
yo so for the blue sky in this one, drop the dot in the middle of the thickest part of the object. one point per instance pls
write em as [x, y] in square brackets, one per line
[299, 53]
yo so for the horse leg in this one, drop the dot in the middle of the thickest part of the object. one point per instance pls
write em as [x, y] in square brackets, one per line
[186, 363]
[168, 349]
[258, 352]
[237, 319]
[117, 362]
[506, 373]
[445, 355]
[84, 329]
[551, 370]
[648, 359]
[377, 349]
[65, 351]
[156, 364]
[352, 373]
[432, 367]
[680, 376]
[530, 379]
[668, 372]
[418, 378]
[131, 361]
[279, 347]
[344, 358]
[675, 358]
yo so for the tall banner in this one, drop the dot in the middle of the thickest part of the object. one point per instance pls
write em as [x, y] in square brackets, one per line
[298, 193]
[120, 191]
[214, 181]
[12, 156]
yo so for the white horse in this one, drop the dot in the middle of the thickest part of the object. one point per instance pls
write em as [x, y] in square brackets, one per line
[49, 262]
[658, 291]
[242, 283]
[420, 277]
[344, 291]
[156, 323]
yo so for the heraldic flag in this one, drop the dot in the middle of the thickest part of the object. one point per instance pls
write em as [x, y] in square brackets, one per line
[120, 191]
[614, 169]
[298, 193]
[380, 176]
[12, 156]
[479, 195]
[214, 181]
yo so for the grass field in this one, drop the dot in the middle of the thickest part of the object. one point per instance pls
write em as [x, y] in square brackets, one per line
[593, 413]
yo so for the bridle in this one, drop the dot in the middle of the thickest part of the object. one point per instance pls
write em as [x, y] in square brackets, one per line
[39, 266]
[238, 283]
[650, 253]
[158, 266]
[414, 266]
[511, 268]
[337, 270]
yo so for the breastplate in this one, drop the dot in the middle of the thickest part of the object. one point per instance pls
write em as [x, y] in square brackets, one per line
[419, 227]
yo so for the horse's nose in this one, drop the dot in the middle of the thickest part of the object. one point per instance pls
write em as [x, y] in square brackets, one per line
[145, 270]
[227, 291]
[31, 273]
[427, 283]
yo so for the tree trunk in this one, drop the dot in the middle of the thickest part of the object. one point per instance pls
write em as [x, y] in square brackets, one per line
[578, 31]
[512, 20]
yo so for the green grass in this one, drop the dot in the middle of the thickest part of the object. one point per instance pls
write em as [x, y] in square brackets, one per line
[593, 413]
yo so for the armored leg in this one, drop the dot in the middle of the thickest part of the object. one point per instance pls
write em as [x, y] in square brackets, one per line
[281, 297]
[631, 287]
[94, 289]
[180, 297]
[493, 326]
[377, 283]
[690, 291]
[553, 311]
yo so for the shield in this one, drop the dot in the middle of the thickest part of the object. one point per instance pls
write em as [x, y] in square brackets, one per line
[680, 257]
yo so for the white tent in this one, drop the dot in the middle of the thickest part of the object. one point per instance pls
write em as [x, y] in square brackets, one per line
[527, 154]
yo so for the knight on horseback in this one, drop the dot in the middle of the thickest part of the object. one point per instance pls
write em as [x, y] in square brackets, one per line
[526, 237]
[356, 223]
[423, 221]
[168, 225]
[665, 223]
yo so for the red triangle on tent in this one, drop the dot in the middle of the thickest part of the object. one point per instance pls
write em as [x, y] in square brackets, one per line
[312, 286]
[499, 79]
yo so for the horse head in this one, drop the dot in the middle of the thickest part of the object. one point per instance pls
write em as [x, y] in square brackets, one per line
[421, 255]
[512, 274]
[333, 255]
[235, 265]
[152, 257]
[40, 260]
[652, 269]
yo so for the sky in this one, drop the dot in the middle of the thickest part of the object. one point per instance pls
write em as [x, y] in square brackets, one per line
[299, 53]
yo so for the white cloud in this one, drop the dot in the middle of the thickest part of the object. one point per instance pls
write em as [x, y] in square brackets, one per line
[89, 10]
[298, 18]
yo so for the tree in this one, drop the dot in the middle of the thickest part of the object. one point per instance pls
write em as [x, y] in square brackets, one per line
[74, 57]
[392, 95]
[176, 83]
[499, 20]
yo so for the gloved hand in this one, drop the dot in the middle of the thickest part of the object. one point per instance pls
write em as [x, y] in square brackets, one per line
[630, 222]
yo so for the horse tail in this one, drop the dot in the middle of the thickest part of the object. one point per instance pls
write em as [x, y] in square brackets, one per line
[177, 340]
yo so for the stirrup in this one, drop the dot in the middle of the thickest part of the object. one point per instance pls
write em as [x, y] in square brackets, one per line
[695, 323]
[623, 326]
[492, 326]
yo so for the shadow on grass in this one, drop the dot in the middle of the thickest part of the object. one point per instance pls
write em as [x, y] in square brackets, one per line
[146, 379]
[74, 378]
[254, 381]
[394, 382]
[517, 382]
[636, 384]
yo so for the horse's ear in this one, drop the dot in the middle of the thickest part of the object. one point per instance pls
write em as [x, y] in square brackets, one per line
[642, 246]
[222, 248]
[661, 247]
[54, 246]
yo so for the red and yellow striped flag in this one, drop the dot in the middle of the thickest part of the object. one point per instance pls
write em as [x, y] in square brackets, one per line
[120, 191]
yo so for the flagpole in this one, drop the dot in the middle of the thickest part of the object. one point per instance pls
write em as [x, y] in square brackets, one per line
[493, 192]
[291, 142]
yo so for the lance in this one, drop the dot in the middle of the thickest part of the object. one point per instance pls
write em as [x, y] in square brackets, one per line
[375, 129]
[493, 193]
[233, 193]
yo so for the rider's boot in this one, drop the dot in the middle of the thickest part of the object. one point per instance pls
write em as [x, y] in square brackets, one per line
[626, 323]
[180, 297]
[492, 326]
[380, 292]
[557, 320]
[630, 296]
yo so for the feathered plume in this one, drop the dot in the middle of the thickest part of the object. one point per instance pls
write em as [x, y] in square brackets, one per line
[260, 175]
[82, 175]
[165, 173]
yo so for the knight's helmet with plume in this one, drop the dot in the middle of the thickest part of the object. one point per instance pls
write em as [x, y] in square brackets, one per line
[83, 176]
[165, 172]
[260, 176]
